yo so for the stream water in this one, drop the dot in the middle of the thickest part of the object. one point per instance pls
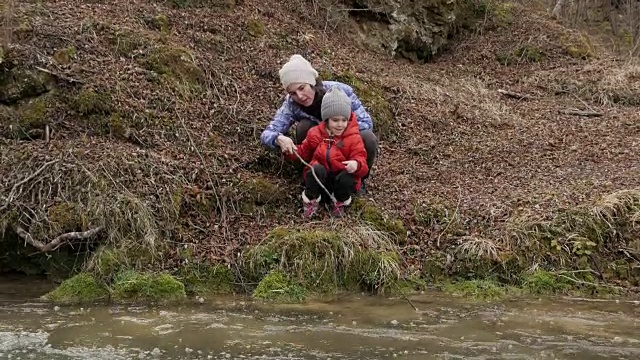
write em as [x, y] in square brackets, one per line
[351, 328]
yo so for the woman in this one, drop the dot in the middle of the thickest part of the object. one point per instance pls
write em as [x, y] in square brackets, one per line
[302, 105]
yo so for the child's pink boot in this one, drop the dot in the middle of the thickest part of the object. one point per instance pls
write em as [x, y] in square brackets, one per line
[310, 207]
[339, 207]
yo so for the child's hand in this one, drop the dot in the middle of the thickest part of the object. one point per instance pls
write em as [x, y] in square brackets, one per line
[351, 166]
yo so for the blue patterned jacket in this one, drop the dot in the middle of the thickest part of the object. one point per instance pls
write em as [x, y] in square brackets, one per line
[290, 112]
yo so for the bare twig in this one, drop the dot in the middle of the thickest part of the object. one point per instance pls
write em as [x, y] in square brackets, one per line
[15, 187]
[61, 76]
[453, 217]
[58, 241]
[576, 112]
[515, 95]
[313, 172]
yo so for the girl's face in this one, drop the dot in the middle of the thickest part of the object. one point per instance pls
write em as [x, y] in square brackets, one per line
[301, 93]
[337, 125]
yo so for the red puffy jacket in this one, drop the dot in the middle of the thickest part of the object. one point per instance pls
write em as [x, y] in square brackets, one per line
[330, 151]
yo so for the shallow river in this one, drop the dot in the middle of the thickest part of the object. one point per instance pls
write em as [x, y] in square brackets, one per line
[351, 328]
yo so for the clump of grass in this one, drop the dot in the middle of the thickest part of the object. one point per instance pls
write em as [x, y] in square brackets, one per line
[206, 279]
[380, 221]
[542, 282]
[130, 285]
[324, 261]
[81, 288]
[279, 287]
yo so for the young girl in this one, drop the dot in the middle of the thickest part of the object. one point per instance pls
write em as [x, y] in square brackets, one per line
[337, 154]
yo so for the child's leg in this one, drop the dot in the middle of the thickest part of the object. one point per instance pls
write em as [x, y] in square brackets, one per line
[312, 191]
[343, 187]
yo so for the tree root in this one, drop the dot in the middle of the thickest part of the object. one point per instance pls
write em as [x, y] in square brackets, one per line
[58, 241]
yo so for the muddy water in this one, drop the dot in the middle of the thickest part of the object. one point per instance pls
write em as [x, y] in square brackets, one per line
[352, 328]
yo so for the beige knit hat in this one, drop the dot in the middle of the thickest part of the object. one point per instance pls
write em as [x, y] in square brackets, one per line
[297, 70]
[335, 103]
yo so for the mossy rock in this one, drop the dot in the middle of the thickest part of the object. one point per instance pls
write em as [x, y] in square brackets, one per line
[276, 286]
[18, 84]
[82, 288]
[130, 285]
[176, 63]
[584, 49]
[206, 279]
[92, 102]
[372, 98]
[379, 220]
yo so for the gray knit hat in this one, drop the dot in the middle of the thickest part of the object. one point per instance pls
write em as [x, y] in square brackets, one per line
[335, 103]
[297, 70]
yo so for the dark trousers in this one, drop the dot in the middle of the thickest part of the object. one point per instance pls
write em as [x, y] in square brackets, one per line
[342, 185]
[368, 137]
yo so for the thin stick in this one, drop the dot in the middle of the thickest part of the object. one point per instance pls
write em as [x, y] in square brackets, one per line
[313, 172]
[515, 95]
[577, 112]
[55, 243]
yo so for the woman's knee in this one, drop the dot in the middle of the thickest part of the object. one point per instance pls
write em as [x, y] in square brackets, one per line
[302, 129]
[370, 141]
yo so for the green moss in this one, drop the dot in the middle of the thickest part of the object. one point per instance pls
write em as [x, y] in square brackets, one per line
[159, 22]
[33, 114]
[92, 102]
[65, 56]
[255, 27]
[542, 282]
[176, 63]
[206, 279]
[480, 289]
[277, 286]
[261, 191]
[379, 220]
[372, 97]
[82, 288]
[584, 49]
[130, 285]
[526, 54]
[126, 42]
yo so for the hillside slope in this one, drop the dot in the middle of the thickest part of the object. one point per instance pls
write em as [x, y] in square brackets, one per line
[152, 115]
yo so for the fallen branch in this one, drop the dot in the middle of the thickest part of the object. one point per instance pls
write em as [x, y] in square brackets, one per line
[9, 198]
[577, 112]
[313, 172]
[61, 76]
[515, 95]
[57, 242]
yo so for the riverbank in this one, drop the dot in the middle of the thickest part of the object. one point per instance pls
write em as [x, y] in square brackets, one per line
[130, 146]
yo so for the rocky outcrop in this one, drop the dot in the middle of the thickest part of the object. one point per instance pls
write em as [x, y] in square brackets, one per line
[416, 30]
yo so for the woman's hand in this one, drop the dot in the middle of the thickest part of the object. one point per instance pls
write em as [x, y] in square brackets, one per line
[351, 166]
[286, 144]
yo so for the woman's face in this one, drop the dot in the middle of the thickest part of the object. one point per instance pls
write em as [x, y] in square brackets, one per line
[301, 93]
[337, 125]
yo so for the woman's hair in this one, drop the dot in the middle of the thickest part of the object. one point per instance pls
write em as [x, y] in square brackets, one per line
[319, 87]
